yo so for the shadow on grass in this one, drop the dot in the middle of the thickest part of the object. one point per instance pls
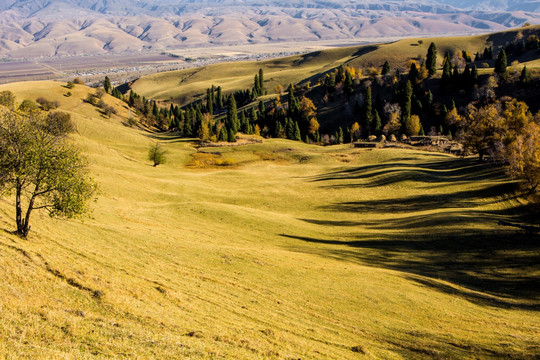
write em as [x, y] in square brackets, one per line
[429, 172]
[170, 137]
[451, 236]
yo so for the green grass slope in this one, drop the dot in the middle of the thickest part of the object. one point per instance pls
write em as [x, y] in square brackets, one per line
[296, 251]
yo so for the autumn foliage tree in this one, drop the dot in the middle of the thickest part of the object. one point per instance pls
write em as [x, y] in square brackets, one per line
[481, 128]
[523, 156]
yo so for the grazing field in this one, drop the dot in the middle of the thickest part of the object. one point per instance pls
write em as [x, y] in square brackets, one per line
[284, 251]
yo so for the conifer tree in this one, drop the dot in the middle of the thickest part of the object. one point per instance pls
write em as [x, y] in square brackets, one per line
[525, 76]
[155, 110]
[244, 124]
[261, 82]
[431, 59]
[219, 98]
[223, 134]
[340, 76]
[188, 125]
[349, 85]
[107, 85]
[501, 63]
[340, 135]
[385, 68]
[406, 106]
[368, 109]
[253, 114]
[474, 74]
[297, 135]
[232, 116]
[256, 84]
[376, 126]
[209, 102]
[232, 136]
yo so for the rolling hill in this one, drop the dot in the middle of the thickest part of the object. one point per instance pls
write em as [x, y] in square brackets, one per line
[292, 251]
[184, 86]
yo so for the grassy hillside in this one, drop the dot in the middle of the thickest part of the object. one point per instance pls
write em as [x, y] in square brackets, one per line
[184, 86]
[295, 251]
[187, 85]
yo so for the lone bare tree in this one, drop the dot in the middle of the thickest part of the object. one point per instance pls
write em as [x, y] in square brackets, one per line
[41, 166]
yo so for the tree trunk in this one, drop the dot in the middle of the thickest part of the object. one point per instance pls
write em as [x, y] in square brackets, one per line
[22, 224]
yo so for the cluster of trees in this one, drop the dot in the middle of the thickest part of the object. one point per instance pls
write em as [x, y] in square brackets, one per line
[507, 131]
[38, 163]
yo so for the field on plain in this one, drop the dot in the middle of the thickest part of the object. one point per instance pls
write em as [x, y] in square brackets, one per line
[291, 251]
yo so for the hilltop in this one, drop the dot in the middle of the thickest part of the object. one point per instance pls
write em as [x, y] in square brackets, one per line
[289, 251]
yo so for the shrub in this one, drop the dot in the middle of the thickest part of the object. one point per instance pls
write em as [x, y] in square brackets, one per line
[46, 104]
[70, 85]
[91, 99]
[28, 106]
[484, 65]
[132, 121]
[78, 81]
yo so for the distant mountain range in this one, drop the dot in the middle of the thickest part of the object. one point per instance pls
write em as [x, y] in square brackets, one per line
[35, 28]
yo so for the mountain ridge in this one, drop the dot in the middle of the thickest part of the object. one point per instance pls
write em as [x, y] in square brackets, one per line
[39, 28]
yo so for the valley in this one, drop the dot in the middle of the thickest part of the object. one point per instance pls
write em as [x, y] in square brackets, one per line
[262, 245]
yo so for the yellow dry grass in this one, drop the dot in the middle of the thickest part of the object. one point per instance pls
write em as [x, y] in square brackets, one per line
[293, 253]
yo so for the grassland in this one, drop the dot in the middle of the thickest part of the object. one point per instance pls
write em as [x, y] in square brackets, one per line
[184, 86]
[294, 251]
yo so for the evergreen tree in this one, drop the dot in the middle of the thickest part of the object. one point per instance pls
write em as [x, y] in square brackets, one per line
[447, 70]
[406, 106]
[107, 85]
[131, 98]
[198, 119]
[501, 63]
[340, 135]
[262, 109]
[297, 135]
[256, 84]
[525, 76]
[209, 102]
[385, 68]
[253, 114]
[289, 128]
[231, 136]
[232, 116]
[188, 125]
[223, 134]
[349, 85]
[244, 123]
[413, 73]
[474, 74]
[219, 98]
[455, 74]
[431, 60]
[261, 82]
[376, 126]
[340, 76]
[368, 109]
[155, 110]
